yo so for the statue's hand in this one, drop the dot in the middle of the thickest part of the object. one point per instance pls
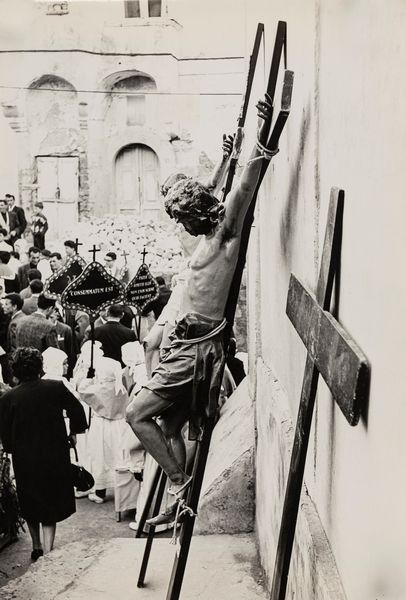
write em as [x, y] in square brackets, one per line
[228, 141]
[265, 110]
[238, 140]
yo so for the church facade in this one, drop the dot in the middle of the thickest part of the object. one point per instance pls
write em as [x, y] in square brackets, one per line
[106, 103]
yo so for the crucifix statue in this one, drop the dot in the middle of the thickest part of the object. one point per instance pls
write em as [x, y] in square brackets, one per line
[198, 343]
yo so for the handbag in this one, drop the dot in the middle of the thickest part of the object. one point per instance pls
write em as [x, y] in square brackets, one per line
[81, 479]
[11, 520]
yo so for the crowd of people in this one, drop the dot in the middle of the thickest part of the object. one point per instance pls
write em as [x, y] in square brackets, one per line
[47, 395]
[52, 399]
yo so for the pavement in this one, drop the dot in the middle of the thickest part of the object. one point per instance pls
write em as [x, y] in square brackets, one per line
[219, 567]
[91, 521]
[96, 558]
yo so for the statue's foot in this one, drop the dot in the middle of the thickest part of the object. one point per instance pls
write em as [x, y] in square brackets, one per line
[176, 489]
[166, 517]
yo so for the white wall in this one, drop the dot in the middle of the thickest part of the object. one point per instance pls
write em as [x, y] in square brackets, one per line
[8, 159]
[347, 129]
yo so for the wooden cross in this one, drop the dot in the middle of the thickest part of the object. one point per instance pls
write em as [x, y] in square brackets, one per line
[144, 253]
[331, 352]
[77, 244]
[94, 250]
[125, 254]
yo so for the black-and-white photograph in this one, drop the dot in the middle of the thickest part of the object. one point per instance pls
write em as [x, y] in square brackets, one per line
[202, 297]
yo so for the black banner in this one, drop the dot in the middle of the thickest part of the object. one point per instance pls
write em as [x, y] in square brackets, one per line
[59, 281]
[93, 290]
[143, 288]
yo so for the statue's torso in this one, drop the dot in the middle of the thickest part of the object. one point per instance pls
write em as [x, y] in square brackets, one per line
[210, 274]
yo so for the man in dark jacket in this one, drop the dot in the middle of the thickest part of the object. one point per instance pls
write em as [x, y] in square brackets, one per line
[8, 221]
[113, 334]
[34, 256]
[20, 217]
[66, 340]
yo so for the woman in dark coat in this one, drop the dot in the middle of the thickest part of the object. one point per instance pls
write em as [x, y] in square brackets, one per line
[33, 430]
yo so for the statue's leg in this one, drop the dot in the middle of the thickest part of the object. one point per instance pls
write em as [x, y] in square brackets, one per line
[140, 416]
[171, 423]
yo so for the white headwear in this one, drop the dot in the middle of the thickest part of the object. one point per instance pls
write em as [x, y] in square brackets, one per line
[86, 352]
[21, 246]
[53, 361]
[106, 369]
[105, 393]
[132, 354]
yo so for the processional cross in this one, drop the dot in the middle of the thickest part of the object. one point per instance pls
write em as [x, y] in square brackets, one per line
[333, 354]
[93, 251]
[77, 244]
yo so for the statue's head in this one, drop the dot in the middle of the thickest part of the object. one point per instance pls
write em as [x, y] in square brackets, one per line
[189, 203]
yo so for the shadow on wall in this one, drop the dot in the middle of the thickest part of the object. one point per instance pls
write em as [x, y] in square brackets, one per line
[290, 210]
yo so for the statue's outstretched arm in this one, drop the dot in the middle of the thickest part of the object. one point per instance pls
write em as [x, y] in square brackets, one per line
[217, 178]
[240, 198]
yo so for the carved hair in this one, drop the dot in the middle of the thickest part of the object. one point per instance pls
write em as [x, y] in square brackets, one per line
[170, 181]
[190, 199]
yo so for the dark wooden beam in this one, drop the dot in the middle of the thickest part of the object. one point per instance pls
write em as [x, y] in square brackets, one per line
[340, 361]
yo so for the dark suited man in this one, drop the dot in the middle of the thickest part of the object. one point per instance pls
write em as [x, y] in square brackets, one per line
[31, 275]
[113, 334]
[20, 215]
[8, 221]
[56, 263]
[36, 330]
[34, 256]
[66, 340]
[31, 304]
[12, 305]
[4, 324]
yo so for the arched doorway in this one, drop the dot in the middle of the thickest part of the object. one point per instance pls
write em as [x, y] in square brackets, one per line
[137, 181]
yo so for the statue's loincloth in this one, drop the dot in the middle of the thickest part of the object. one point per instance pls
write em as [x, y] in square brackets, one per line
[192, 370]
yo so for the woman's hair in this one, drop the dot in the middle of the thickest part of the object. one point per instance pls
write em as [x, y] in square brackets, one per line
[26, 364]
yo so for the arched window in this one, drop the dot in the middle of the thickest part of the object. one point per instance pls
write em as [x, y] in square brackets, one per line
[135, 85]
[51, 106]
